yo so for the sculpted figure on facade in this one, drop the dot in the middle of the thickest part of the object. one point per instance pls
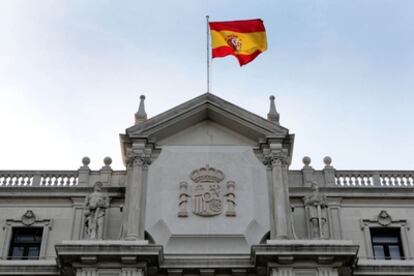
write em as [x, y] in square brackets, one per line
[95, 207]
[317, 213]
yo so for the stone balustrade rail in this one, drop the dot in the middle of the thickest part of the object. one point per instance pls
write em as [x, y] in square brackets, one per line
[374, 178]
[14, 178]
[38, 178]
[329, 177]
[352, 178]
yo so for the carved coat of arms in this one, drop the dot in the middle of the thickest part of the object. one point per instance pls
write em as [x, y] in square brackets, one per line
[207, 194]
[207, 197]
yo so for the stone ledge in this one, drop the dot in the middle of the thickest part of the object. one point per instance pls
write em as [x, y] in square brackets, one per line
[384, 267]
[337, 253]
[310, 242]
[109, 253]
[216, 261]
[105, 242]
[29, 267]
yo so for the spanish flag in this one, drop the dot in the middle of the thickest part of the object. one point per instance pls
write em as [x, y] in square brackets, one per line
[244, 39]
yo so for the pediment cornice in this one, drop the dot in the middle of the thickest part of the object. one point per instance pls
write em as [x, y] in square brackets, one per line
[207, 107]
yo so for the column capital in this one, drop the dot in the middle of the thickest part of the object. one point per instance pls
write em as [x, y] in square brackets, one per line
[272, 157]
[138, 156]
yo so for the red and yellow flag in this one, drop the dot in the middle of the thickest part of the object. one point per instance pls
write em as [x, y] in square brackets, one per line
[244, 39]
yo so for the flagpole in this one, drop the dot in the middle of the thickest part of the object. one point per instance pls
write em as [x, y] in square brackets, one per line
[208, 55]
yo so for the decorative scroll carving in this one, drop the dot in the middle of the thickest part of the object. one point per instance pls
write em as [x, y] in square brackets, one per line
[95, 207]
[28, 218]
[207, 198]
[317, 211]
[384, 218]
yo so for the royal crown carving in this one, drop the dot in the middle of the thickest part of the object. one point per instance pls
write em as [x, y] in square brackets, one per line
[207, 174]
[207, 195]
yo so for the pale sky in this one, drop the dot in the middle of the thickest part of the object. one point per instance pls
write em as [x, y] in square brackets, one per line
[71, 73]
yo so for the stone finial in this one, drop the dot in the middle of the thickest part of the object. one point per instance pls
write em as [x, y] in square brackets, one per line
[106, 171]
[141, 115]
[84, 171]
[307, 171]
[329, 172]
[327, 160]
[86, 161]
[107, 161]
[273, 116]
[306, 161]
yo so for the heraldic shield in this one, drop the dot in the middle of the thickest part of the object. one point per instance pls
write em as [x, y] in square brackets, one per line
[207, 197]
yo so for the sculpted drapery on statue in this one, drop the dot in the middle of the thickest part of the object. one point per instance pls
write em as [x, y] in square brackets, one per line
[317, 211]
[95, 207]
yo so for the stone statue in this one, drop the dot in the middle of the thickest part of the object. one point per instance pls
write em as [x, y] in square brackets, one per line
[96, 204]
[317, 211]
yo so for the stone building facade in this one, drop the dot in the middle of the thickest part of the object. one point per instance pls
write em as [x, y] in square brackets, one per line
[207, 190]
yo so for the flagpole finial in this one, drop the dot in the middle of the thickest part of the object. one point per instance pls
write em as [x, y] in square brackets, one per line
[273, 116]
[141, 115]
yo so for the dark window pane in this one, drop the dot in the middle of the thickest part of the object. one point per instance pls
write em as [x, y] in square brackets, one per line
[386, 243]
[17, 252]
[25, 243]
[33, 252]
[23, 237]
[395, 252]
[379, 252]
[385, 239]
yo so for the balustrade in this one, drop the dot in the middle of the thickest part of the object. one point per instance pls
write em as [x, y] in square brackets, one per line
[38, 178]
[374, 178]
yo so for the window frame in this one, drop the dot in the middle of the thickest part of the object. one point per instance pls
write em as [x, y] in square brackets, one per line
[387, 232]
[26, 245]
[45, 224]
[368, 224]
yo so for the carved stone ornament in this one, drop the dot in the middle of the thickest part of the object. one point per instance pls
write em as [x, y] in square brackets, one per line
[384, 218]
[207, 195]
[28, 218]
[274, 157]
[138, 157]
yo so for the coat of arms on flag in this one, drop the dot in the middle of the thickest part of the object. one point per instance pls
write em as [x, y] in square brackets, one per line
[244, 39]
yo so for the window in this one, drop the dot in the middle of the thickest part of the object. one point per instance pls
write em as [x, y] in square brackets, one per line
[386, 243]
[25, 243]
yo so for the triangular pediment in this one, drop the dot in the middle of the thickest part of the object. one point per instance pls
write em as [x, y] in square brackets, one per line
[207, 133]
[217, 111]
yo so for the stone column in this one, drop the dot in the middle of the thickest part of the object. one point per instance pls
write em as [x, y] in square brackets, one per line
[139, 158]
[276, 160]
